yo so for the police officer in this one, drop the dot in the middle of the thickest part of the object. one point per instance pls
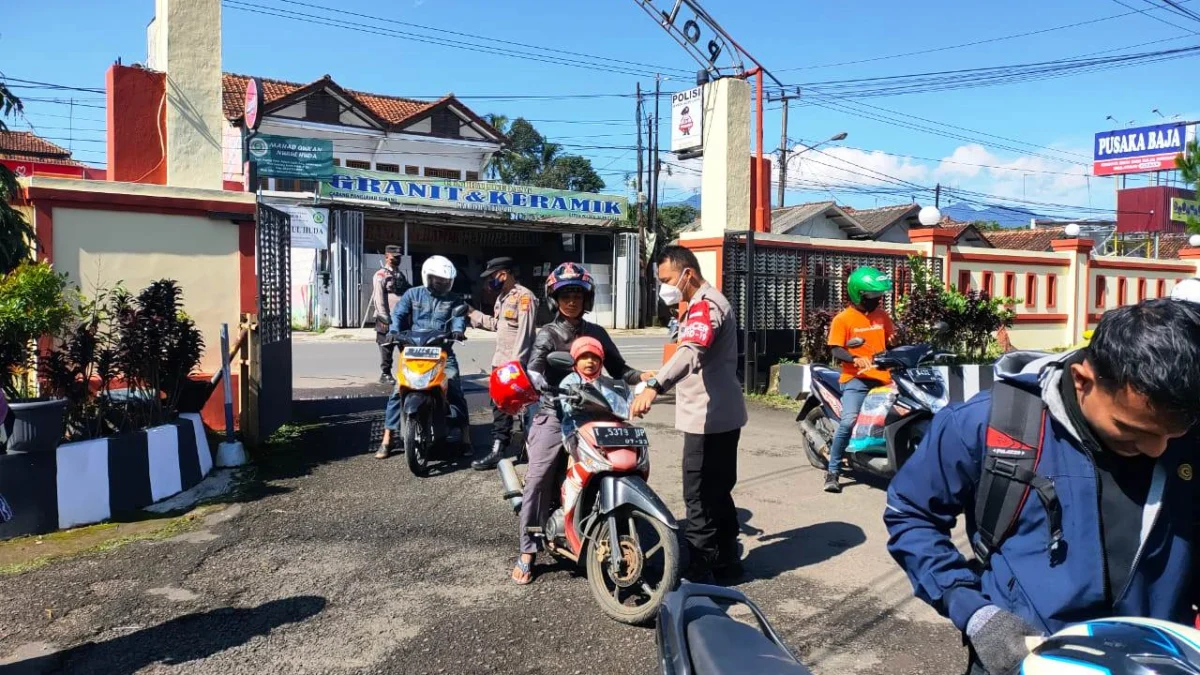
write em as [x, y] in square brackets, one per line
[513, 322]
[709, 410]
[387, 286]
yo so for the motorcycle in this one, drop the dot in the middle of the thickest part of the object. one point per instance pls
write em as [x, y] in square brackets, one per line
[607, 518]
[427, 413]
[696, 636]
[921, 392]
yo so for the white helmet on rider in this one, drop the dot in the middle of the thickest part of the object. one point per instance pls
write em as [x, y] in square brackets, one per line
[1188, 289]
[438, 273]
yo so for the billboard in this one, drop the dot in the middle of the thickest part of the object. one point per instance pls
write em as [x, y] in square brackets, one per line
[288, 157]
[687, 121]
[390, 188]
[310, 226]
[1182, 209]
[1140, 149]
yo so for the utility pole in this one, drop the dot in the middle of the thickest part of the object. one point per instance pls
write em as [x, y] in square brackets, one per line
[652, 222]
[637, 120]
[641, 209]
[783, 157]
[937, 196]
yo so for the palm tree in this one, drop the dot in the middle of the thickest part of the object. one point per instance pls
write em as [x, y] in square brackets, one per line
[16, 235]
[497, 165]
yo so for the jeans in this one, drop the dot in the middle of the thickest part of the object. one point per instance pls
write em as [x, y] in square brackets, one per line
[853, 394]
[393, 415]
[544, 446]
[709, 474]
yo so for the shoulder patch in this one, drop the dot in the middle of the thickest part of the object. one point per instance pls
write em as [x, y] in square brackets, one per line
[697, 326]
[526, 301]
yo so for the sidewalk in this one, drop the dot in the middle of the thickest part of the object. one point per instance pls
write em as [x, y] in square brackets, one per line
[368, 334]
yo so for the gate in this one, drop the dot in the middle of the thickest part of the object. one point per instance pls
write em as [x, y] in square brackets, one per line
[270, 385]
[346, 263]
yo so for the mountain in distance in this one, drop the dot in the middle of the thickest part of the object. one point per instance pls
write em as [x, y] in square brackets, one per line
[1006, 216]
[693, 201]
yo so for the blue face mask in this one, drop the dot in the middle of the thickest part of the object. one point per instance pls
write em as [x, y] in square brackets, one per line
[495, 283]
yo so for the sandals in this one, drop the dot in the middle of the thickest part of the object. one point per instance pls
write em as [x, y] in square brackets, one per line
[526, 570]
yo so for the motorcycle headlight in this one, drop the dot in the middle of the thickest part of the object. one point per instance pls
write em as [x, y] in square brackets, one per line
[419, 378]
[593, 460]
[935, 402]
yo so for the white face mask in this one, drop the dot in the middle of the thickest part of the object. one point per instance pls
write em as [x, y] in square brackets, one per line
[670, 295]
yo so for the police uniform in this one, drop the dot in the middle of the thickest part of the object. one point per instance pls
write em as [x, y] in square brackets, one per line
[513, 322]
[387, 286]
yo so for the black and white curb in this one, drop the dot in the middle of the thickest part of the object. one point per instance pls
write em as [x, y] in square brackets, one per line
[92, 481]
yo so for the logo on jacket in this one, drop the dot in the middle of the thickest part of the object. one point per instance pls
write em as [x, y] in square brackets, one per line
[1185, 471]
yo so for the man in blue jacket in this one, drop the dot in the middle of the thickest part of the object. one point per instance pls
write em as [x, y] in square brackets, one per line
[1106, 524]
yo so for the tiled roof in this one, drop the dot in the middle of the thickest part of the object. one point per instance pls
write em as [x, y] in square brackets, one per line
[392, 109]
[1024, 239]
[25, 146]
[784, 219]
[877, 220]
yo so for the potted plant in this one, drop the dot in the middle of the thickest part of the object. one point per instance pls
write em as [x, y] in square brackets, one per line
[33, 305]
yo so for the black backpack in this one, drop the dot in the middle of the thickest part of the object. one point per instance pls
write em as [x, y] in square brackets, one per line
[1016, 424]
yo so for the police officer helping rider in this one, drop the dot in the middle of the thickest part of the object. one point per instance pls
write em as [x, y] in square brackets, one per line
[432, 307]
[387, 287]
[513, 321]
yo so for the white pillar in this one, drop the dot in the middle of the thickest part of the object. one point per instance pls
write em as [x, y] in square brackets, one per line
[725, 184]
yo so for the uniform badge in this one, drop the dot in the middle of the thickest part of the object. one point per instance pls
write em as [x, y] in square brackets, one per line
[1185, 471]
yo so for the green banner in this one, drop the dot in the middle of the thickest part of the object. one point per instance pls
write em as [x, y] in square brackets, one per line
[288, 157]
[392, 188]
[1182, 209]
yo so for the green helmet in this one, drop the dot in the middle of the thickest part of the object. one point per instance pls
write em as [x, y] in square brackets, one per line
[866, 280]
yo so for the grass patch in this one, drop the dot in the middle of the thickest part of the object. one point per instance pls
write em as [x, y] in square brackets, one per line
[777, 401]
[25, 554]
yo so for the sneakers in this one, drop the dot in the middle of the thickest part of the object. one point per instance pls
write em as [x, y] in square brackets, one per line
[490, 461]
[832, 484]
[386, 378]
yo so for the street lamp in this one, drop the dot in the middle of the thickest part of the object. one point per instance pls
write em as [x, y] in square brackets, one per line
[832, 139]
[1194, 241]
[930, 216]
[786, 157]
[1072, 230]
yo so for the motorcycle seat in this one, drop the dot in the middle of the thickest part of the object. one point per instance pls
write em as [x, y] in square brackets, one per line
[720, 645]
[828, 376]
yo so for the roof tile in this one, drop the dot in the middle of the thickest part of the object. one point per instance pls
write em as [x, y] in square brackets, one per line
[392, 109]
[25, 146]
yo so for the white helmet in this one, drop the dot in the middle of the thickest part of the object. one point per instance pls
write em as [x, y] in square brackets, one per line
[1119, 646]
[1188, 289]
[441, 267]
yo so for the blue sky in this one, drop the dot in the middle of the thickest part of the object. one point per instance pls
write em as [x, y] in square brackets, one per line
[877, 164]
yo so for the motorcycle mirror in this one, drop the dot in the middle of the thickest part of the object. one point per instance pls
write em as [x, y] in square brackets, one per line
[855, 342]
[561, 360]
[941, 328]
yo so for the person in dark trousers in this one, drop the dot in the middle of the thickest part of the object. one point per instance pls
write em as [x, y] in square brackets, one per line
[709, 410]
[865, 318]
[387, 287]
[513, 322]
[1089, 508]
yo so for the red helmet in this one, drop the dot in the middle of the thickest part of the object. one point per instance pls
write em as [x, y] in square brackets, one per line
[511, 389]
[570, 275]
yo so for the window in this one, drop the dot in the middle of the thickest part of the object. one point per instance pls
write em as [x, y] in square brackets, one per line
[452, 174]
[1161, 289]
[337, 161]
[964, 281]
[264, 183]
[1051, 290]
[1010, 285]
[321, 107]
[1101, 292]
[445, 123]
[410, 170]
[987, 286]
[1141, 290]
[1120, 291]
[1031, 290]
[306, 186]
[357, 164]
[285, 184]
[472, 175]
[389, 168]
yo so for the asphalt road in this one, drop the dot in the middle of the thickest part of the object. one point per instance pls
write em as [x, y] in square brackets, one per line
[330, 561]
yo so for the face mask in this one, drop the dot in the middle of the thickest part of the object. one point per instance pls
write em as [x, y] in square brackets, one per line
[870, 304]
[670, 295]
[495, 283]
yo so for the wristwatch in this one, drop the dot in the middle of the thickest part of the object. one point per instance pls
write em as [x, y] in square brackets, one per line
[654, 384]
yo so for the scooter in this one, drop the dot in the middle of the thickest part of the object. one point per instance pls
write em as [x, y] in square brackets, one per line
[427, 413]
[921, 392]
[607, 518]
[696, 636]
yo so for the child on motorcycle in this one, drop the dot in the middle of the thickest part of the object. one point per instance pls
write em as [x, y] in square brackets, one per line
[865, 318]
[589, 362]
[570, 292]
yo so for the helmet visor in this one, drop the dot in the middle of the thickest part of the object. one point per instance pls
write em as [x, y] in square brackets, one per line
[439, 285]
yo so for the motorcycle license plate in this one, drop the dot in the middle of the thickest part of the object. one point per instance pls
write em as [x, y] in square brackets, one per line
[423, 353]
[923, 375]
[621, 437]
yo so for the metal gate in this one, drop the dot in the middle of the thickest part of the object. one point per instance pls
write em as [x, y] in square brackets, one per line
[346, 258]
[271, 374]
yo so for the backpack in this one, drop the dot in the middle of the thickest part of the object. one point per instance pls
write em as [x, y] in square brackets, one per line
[1016, 424]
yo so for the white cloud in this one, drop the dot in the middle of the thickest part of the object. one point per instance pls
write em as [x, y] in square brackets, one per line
[974, 167]
[837, 166]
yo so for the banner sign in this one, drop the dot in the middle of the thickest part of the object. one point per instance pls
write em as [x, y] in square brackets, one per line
[687, 120]
[1140, 150]
[310, 226]
[391, 188]
[288, 157]
[1181, 209]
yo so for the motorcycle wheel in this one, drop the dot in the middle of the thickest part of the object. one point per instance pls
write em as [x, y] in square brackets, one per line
[418, 440]
[631, 598]
[817, 423]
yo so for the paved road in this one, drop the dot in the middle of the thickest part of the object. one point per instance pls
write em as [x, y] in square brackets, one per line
[330, 561]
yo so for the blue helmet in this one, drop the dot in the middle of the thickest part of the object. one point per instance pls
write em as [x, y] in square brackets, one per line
[1118, 646]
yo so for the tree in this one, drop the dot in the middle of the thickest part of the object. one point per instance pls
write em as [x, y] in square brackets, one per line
[531, 159]
[16, 235]
[987, 225]
[571, 172]
[1188, 164]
